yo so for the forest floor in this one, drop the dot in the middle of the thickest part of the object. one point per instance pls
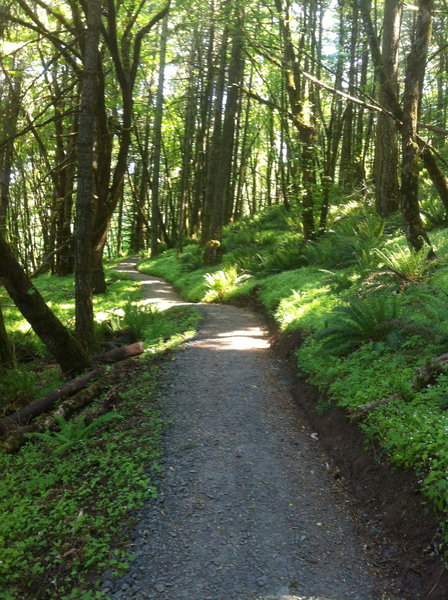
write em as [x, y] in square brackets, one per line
[249, 506]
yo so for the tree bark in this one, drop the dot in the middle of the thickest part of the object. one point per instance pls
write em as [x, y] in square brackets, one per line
[301, 121]
[387, 190]
[415, 73]
[157, 142]
[7, 355]
[86, 187]
[213, 249]
[7, 133]
[58, 340]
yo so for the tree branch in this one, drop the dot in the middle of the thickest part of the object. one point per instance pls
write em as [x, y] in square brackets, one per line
[139, 38]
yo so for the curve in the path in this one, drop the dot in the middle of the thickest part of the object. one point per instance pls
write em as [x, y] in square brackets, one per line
[247, 509]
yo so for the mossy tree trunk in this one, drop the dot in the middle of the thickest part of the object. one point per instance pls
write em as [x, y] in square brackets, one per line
[157, 141]
[415, 73]
[7, 356]
[301, 118]
[224, 155]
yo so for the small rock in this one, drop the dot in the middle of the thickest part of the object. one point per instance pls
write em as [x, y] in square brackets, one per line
[212, 495]
[160, 587]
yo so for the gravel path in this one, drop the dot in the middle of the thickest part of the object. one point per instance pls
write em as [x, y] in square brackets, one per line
[247, 508]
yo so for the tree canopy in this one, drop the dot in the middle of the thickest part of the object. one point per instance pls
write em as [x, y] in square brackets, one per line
[133, 125]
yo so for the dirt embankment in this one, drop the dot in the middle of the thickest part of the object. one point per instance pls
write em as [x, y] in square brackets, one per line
[390, 507]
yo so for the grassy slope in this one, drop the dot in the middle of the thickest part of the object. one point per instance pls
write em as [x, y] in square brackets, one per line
[351, 262]
[66, 495]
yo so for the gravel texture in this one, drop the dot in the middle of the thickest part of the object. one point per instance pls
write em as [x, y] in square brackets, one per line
[247, 508]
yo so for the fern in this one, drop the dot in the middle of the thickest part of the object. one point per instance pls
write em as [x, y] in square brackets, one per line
[221, 282]
[72, 432]
[192, 259]
[412, 265]
[133, 317]
[360, 322]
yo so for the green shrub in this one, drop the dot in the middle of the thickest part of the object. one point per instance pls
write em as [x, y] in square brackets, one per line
[192, 258]
[65, 510]
[221, 282]
[433, 213]
[19, 386]
[359, 322]
[72, 432]
[350, 243]
[287, 255]
[412, 265]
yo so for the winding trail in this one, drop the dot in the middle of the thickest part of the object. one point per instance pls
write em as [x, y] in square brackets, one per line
[247, 508]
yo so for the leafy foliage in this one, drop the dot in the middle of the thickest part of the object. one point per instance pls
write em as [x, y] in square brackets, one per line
[65, 508]
[361, 321]
[192, 258]
[221, 282]
[349, 244]
[412, 265]
[72, 432]
[286, 255]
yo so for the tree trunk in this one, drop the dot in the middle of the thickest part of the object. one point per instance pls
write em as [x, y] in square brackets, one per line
[201, 142]
[7, 132]
[187, 149]
[300, 119]
[415, 73]
[86, 186]
[213, 249]
[214, 143]
[58, 340]
[387, 189]
[158, 141]
[347, 166]
[7, 355]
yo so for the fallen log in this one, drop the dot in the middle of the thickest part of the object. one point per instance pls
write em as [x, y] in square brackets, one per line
[74, 404]
[363, 409]
[40, 405]
[16, 435]
[426, 374]
[120, 353]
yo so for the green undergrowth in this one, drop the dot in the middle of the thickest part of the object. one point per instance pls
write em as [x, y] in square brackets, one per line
[36, 375]
[65, 496]
[119, 311]
[372, 313]
[63, 500]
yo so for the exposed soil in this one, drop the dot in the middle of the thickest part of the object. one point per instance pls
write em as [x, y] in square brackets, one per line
[250, 505]
[393, 512]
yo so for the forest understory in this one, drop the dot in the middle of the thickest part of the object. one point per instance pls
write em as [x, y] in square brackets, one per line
[288, 156]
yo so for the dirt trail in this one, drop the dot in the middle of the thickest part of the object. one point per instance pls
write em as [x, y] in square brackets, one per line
[247, 507]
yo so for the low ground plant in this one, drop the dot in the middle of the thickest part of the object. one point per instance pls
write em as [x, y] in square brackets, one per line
[65, 507]
[405, 264]
[222, 282]
[357, 322]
